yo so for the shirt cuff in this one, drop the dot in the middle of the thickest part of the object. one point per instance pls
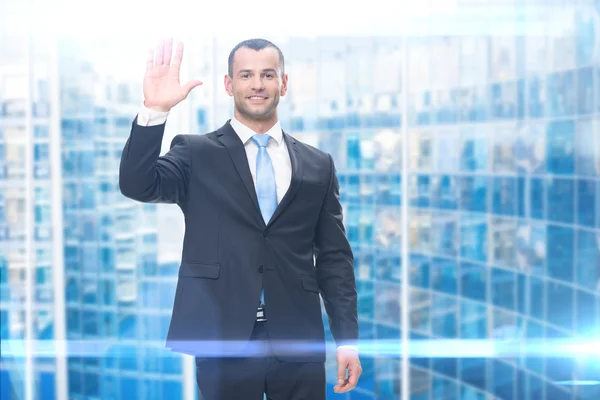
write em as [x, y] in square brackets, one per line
[147, 117]
[355, 348]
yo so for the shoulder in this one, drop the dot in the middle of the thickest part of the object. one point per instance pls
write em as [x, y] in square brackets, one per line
[194, 140]
[314, 154]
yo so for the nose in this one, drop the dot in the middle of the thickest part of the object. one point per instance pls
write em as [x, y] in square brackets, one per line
[257, 83]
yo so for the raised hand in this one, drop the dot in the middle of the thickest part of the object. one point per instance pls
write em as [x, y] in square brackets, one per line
[162, 90]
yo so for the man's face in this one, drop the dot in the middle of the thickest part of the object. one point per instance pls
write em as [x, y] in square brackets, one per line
[256, 83]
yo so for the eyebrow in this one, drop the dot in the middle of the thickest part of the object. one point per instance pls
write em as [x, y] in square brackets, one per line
[273, 70]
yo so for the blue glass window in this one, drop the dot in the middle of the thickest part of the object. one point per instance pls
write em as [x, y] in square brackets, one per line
[86, 163]
[90, 323]
[585, 90]
[537, 291]
[128, 326]
[561, 93]
[419, 190]
[443, 321]
[503, 288]
[531, 197]
[560, 143]
[535, 332]
[473, 281]
[584, 148]
[91, 383]
[469, 393]
[107, 259]
[74, 382]
[444, 192]
[171, 364]
[475, 326]
[536, 97]
[90, 291]
[597, 88]
[585, 313]
[505, 190]
[560, 253]
[588, 259]
[419, 276]
[474, 372]
[503, 381]
[587, 201]
[40, 151]
[473, 193]
[560, 200]
[444, 275]
[560, 305]
[521, 299]
[129, 389]
[445, 234]
[88, 196]
[73, 321]
[108, 326]
[585, 34]
[474, 153]
[107, 290]
[444, 388]
[4, 324]
[473, 237]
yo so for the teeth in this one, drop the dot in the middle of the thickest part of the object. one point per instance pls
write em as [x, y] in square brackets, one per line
[257, 98]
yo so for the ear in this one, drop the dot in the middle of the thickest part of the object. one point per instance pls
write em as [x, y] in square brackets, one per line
[228, 84]
[284, 85]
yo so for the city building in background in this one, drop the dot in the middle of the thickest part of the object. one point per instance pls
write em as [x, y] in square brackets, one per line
[86, 280]
[502, 211]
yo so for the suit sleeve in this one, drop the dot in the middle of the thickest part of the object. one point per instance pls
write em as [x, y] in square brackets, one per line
[146, 176]
[335, 267]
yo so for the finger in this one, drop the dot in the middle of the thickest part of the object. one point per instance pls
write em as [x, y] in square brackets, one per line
[190, 85]
[354, 371]
[168, 51]
[150, 59]
[353, 378]
[341, 375]
[178, 56]
[345, 387]
[160, 52]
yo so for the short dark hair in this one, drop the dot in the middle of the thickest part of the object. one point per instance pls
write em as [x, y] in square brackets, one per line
[255, 44]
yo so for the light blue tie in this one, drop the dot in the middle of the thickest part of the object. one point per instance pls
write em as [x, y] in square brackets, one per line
[266, 189]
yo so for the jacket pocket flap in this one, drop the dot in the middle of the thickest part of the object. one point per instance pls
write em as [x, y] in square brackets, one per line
[310, 284]
[200, 270]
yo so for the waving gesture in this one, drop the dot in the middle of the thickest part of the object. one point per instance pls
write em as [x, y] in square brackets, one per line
[162, 90]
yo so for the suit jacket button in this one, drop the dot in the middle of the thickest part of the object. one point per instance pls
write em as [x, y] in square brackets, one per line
[260, 269]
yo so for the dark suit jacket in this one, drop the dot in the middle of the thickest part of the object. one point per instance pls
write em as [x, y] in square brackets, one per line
[229, 252]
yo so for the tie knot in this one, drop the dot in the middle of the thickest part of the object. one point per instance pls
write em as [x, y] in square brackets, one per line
[261, 139]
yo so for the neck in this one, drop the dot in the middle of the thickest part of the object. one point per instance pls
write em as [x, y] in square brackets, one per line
[258, 126]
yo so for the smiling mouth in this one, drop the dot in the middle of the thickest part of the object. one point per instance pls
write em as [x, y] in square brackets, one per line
[259, 98]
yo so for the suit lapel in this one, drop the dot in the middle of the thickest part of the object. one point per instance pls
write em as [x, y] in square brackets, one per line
[237, 152]
[236, 149]
[297, 170]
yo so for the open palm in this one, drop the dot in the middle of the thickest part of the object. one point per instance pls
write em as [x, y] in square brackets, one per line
[162, 89]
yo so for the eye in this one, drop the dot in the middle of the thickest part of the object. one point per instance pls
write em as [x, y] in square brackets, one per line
[269, 75]
[245, 75]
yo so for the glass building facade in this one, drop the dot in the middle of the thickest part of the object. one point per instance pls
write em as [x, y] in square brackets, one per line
[80, 272]
[469, 169]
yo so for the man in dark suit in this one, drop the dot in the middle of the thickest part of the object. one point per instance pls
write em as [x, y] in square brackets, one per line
[263, 238]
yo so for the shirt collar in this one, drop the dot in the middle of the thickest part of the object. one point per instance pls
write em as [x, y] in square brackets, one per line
[246, 133]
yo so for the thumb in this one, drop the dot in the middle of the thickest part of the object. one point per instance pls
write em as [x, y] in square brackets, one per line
[187, 88]
[341, 373]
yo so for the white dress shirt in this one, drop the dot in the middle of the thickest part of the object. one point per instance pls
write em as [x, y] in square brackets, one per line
[276, 147]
